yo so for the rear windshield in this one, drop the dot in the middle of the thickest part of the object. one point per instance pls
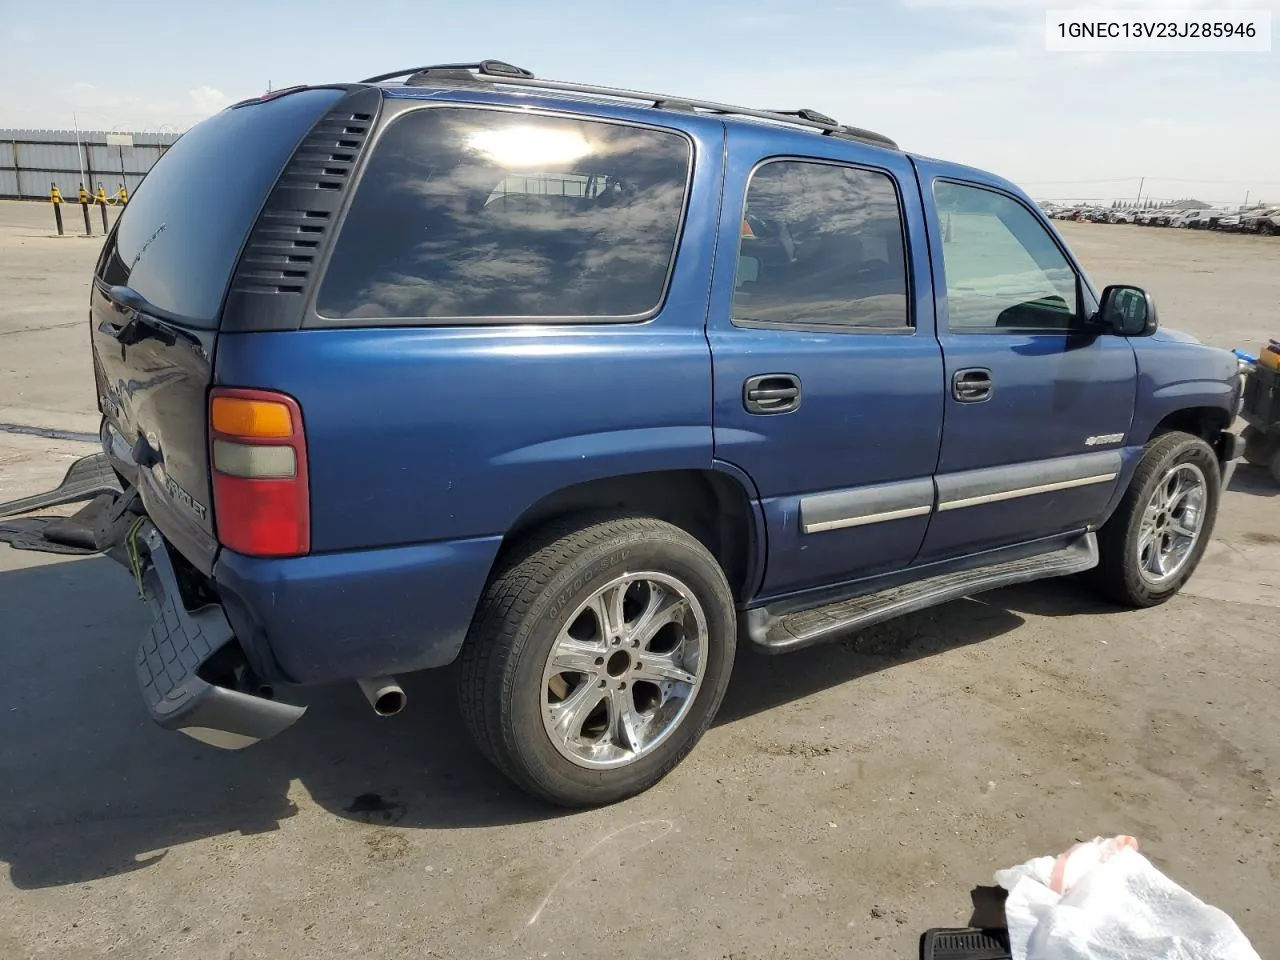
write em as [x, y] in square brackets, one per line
[487, 214]
[180, 235]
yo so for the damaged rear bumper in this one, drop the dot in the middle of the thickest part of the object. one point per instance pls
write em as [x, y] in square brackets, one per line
[191, 670]
[183, 644]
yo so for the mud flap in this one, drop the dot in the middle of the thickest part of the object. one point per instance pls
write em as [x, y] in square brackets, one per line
[85, 479]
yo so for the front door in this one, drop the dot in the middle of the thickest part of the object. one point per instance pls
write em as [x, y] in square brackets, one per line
[827, 374]
[1037, 407]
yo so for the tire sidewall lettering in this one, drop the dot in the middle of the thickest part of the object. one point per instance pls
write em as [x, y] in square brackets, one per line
[568, 595]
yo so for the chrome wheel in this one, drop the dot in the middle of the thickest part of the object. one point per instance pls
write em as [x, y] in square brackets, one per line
[1171, 523]
[624, 670]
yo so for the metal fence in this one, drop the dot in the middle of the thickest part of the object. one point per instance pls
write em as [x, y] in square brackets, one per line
[31, 159]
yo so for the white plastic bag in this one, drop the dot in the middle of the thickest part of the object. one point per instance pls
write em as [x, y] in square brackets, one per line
[1103, 900]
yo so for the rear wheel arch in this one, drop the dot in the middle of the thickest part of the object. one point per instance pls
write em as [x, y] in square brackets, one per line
[712, 506]
[528, 657]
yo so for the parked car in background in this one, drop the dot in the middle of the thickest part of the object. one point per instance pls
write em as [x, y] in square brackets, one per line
[1206, 219]
[1185, 218]
[1230, 221]
[1264, 221]
[1120, 216]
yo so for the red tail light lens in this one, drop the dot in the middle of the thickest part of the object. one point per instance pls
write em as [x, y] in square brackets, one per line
[258, 451]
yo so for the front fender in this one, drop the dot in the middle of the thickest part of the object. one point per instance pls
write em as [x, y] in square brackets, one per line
[1176, 373]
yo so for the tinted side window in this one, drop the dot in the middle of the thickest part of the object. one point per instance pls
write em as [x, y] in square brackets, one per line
[466, 213]
[821, 244]
[1003, 270]
[180, 236]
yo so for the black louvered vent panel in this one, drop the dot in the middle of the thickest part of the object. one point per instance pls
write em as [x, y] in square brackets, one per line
[295, 226]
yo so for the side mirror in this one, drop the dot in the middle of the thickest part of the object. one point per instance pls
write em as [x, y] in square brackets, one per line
[1127, 311]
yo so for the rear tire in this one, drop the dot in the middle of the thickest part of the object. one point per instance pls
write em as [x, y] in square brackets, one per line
[1154, 541]
[597, 657]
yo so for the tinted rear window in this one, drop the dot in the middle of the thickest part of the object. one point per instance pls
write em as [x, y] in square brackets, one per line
[180, 236]
[466, 214]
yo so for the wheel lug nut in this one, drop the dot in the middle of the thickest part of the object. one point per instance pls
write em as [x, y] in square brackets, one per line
[635, 643]
[599, 661]
[623, 685]
[602, 683]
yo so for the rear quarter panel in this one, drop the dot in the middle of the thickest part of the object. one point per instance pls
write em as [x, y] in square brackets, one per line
[420, 435]
[430, 433]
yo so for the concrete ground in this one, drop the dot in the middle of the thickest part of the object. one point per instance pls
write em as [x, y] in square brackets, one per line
[848, 798]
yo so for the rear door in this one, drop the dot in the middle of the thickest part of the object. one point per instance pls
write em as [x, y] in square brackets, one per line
[827, 375]
[1037, 406]
[157, 299]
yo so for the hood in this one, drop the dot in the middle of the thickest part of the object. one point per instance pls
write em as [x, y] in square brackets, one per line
[1169, 335]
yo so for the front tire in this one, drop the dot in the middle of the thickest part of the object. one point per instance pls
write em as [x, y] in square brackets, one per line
[598, 657]
[1154, 541]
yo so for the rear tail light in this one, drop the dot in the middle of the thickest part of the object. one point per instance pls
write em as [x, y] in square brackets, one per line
[258, 450]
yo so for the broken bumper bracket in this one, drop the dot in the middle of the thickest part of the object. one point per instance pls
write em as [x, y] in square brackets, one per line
[85, 479]
[178, 643]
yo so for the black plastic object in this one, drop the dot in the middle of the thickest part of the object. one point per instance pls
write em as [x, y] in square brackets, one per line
[486, 68]
[172, 652]
[965, 944]
[771, 393]
[32, 533]
[813, 116]
[84, 480]
[98, 526]
[1261, 405]
[296, 223]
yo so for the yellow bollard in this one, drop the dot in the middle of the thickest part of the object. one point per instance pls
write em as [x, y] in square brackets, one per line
[56, 199]
[101, 201]
[84, 208]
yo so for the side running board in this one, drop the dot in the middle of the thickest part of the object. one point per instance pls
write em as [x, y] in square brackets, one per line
[84, 480]
[777, 632]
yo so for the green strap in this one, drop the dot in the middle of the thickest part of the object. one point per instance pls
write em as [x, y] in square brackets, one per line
[135, 556]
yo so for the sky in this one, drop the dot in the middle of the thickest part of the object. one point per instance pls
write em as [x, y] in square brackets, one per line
[964, 80]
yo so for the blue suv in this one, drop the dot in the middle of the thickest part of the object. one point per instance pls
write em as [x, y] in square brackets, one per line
[578, 388]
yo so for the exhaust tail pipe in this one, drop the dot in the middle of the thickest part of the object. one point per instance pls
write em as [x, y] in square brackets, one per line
[384, 694]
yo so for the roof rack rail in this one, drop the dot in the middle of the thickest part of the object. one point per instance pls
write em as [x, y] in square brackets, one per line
[498, 71]
[485, 68]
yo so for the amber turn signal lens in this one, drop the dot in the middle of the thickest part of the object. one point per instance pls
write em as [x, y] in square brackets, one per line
[241, 417]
